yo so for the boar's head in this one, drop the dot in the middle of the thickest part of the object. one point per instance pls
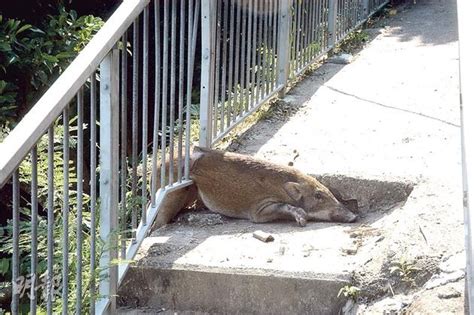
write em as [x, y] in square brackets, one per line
[319, 203]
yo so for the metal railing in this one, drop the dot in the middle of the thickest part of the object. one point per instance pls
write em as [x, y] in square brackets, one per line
[253, 48]
[87, 166]
[100, 134]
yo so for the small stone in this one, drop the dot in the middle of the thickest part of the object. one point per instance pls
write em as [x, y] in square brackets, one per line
[269, 260]
[262, 236]
[350, 250]
[449, 293]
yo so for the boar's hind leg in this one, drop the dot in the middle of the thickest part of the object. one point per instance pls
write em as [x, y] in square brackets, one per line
[279, 211]
[174, 202]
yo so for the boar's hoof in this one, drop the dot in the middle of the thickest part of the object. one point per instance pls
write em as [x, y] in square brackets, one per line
[301, 221]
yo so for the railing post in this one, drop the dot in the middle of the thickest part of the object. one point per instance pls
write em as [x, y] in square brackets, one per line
[207, 71]
[109, 170]
[284, 19]
[332, 20]
[365, 7]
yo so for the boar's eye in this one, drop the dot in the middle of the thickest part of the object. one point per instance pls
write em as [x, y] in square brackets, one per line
[318, 196]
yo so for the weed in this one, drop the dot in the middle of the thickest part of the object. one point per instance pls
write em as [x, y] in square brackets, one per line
[405, 270]
[349, 291]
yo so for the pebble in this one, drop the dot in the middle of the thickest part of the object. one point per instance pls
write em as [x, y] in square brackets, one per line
[449, 293]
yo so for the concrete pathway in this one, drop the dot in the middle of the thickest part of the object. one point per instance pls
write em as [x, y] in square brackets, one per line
[390, 116]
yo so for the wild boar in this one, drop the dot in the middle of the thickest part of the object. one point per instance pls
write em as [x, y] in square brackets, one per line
[242, 186]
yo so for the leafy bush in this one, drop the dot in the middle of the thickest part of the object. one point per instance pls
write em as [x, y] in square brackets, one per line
[31, 58]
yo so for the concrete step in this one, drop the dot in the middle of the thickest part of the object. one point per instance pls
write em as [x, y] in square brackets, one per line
[208, 263]
[227, 292]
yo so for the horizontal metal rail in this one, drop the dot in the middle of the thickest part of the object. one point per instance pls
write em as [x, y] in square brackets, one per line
[30, 129]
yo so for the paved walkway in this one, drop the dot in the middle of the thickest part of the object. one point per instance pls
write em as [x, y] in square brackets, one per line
[393, 113]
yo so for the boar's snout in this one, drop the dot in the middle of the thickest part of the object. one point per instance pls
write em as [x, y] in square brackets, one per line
[342, 214]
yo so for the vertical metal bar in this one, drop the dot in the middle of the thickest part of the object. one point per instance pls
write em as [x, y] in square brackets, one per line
[16, 245]
[34, 229]
[265, 51]
[253, 87]
[109, 142]
[345, 18]
[123, 144]
[242, 58]
[182, 24]
[229, 108]
[217, 109]
[339, 17]
[173, 89]
[249, 55]
[350, 9]
[339, 13]
[259, 49]
[275, 26]
[93, 194]
[332, 16]
[309, 21]
[283, 47]
[50, 275]
[292, 19]
[325, 24]
[237, 85]
[312, 27]
[136, 51]
[192, 39]
[224, 61]
[80, 190]
[206, 73]
[164, 109]
[298, 35]
[318, 27]
[65, 212]
[146, 38]
[304, 33]
[156, 116]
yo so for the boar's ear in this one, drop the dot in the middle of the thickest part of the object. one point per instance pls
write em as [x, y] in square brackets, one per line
[294, 190]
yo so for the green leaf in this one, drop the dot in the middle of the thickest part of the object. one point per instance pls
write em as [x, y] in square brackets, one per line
[4, 266]
[23, 28]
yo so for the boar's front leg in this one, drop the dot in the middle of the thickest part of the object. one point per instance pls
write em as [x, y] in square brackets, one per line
[173, 203]
[279, 211]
